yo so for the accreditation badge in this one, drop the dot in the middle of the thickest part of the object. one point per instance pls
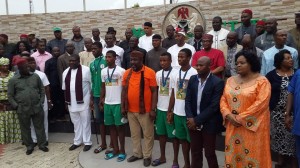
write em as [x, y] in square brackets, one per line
[164, 90]
[180, 94]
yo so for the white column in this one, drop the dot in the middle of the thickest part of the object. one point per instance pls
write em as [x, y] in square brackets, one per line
[45, 5]
[6, 4]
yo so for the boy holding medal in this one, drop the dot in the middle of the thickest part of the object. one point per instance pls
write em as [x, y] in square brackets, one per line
[176, 110]
[111, 91]
[163, 128]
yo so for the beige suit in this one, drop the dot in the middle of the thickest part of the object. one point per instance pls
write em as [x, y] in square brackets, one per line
[62, 64]
[224, 49]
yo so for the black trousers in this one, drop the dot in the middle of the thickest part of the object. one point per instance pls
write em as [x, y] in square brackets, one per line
[200, 140]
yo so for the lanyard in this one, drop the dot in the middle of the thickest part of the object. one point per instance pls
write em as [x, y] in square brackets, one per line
[110, 77]
[164, 80]
[182, 80]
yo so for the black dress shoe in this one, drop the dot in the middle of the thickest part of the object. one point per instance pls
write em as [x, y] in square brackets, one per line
[29, 151]
[73, 147]
[147, 162]
[133, 158]
[87, 148]
[45, 149]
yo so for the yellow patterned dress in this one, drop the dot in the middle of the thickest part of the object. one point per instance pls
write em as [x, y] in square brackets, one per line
[9, 123]
[247, 146]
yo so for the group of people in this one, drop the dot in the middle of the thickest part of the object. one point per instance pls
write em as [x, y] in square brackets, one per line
[184, 90]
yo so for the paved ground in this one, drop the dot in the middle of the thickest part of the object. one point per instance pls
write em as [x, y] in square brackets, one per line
[60, 157]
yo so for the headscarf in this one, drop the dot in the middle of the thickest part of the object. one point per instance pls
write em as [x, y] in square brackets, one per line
[4, 61]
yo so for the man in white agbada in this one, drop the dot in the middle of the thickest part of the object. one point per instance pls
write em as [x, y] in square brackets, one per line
[47, 103]
[219, 33]
[77, 85]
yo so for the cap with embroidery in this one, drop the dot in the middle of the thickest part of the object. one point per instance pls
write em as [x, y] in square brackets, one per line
[4, 61]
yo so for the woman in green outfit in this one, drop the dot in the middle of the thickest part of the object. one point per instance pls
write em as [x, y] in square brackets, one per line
[9, 124]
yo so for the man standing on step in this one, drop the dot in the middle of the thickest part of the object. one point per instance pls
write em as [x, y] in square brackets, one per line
[77, 86]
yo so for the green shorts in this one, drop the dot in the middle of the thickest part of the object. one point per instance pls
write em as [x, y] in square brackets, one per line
[181, 129]
[162, 127]
[112, 114]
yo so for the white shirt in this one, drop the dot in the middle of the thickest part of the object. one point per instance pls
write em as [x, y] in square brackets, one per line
[86, 86]
[180, 94]
[113, 88]
[45, 82]
[200, 91]
[102, 41]
[145, 42]
[219, 39]
[164, 93]
[119, 51]
[174, 50]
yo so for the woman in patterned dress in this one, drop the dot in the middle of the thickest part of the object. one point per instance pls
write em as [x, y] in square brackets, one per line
[245, 109]
[283, 141]
[9, 124]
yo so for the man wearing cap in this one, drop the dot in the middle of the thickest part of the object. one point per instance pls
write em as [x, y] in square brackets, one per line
[41, 56]
[24, 38]
[138, 103]
[266, 40]
[153, 56]
[217, 57]
[170, 40]
[246, 27]
[77, 40]
[125, 43]
[133, 46]
[110, 40]
[260, 27]
[180, 44]
[145, 41]
[29, 104]
[96, 37]
[58, 41]
[295, 32]
[86, 57]
[196, 41]
[219, 33]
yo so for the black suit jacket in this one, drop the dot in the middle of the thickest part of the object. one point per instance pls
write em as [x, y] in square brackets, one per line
[210, 116]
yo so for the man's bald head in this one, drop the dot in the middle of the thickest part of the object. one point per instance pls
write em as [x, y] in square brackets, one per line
[205, 60]
[271, 25]
[231, 39]
[203, 66]
[247, 42]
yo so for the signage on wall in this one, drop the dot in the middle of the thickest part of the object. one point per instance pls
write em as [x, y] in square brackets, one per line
[185, 17]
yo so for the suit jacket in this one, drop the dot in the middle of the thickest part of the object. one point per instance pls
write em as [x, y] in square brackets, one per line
[210, 116]
[62, 64]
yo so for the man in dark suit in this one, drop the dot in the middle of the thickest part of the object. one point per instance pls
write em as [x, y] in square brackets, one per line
[204, 119]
